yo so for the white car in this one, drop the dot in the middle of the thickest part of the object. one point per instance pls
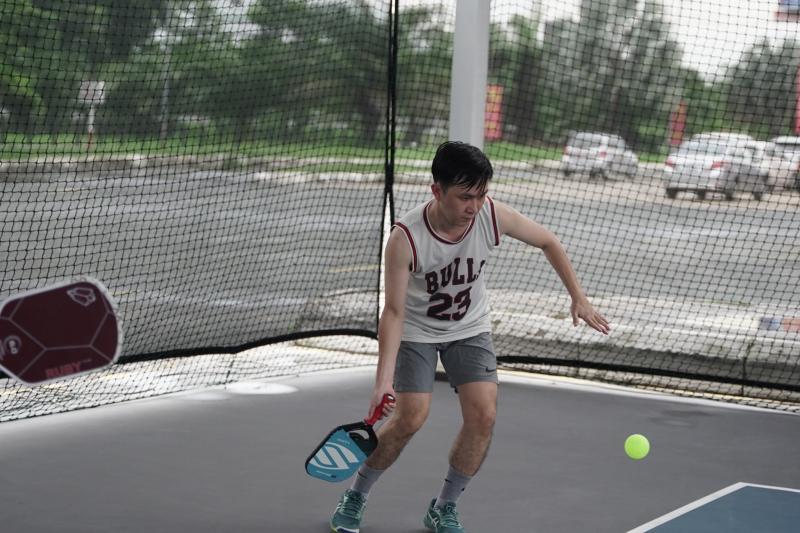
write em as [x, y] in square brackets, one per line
[723, 163]
[790, 146]
[779, 165]
[598, 155]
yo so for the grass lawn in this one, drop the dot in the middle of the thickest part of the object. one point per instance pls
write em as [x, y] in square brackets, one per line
[17, 147]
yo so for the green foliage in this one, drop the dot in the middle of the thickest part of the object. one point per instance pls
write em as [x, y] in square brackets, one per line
[707, 110]
[302, 71]
[425, 52]
[615, 70]
[760, 89]
[319, 60]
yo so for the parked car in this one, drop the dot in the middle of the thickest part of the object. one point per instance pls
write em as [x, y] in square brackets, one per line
[791, 151]
[599, 155]
[779, 166]
[723, 163]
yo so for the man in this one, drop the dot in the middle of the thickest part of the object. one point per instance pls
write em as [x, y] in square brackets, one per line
[436, 305]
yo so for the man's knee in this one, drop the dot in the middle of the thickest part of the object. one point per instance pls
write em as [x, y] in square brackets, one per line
[481, 419]
[409, 422]
[410, 414]
[479, 406]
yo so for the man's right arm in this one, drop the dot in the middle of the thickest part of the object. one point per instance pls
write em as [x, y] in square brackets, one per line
[390, 328]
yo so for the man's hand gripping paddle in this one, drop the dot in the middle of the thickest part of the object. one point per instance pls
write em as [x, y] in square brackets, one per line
[341, 453]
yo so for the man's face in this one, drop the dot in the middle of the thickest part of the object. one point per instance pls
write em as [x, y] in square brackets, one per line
[459, 205]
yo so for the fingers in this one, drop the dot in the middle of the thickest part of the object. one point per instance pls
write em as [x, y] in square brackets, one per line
[598, 322]
[592, 318]
[386, 408]
[584, 311]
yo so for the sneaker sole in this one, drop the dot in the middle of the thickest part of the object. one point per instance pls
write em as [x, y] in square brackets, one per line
[343, 530]
[428, 523]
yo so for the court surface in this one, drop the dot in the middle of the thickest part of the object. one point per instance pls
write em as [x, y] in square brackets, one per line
[740, 508]
[230, 459]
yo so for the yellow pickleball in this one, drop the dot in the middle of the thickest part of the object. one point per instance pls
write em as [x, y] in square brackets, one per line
[637, 446]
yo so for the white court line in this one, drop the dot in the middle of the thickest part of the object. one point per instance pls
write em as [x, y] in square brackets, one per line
[771, 487]
[701, 502]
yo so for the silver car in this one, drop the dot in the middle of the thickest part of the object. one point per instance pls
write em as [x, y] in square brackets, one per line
[790, 147]
[723, 163]
[779, 165]
[599, 155]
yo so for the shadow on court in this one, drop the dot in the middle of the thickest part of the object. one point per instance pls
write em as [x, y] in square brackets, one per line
[231, 460]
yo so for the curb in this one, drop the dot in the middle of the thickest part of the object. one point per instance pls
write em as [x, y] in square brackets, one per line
[692, 341]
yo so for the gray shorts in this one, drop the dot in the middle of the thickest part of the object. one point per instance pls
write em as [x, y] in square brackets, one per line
[465, 361]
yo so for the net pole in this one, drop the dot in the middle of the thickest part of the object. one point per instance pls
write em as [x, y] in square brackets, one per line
[390, 148]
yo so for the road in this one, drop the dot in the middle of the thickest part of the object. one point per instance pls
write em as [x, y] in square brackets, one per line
[627, 238]
[220, 259]
[198, 259]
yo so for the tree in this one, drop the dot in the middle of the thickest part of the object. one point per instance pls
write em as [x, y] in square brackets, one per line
[47, 50]
[650, 79]
[616, 70]
[23, 29]
[320, 58]
[760, 90]
[165, 71]
[517, 65]
[423, 73]
[707, 110]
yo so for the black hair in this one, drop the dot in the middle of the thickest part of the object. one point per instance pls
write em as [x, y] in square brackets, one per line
[461, 164]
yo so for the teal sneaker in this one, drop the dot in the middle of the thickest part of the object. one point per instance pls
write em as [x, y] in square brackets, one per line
[347, 517]
[443, 519]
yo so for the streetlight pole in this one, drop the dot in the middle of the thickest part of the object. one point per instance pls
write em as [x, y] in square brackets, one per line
[469, 71]
[166, 47]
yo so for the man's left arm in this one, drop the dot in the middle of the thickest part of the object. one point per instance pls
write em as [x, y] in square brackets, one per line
[514, 224]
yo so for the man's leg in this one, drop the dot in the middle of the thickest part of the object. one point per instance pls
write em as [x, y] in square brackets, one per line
[415, 371]
[471, 366]
[478, 410]
[410, 412]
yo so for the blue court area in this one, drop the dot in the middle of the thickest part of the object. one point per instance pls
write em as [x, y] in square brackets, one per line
[231, 459]
[740, 508]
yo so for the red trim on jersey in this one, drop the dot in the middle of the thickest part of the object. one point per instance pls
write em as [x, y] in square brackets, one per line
[494, 223]
[411, 243]
[436, 235]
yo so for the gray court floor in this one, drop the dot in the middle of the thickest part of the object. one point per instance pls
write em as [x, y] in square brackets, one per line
[231, 460]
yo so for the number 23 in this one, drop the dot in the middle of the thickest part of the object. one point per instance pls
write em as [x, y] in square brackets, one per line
[461, 300]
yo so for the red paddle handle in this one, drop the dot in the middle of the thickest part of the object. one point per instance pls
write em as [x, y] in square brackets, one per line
[378, 413]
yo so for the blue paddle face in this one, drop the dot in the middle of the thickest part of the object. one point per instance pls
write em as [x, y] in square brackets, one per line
[346, 447]
[340, 455]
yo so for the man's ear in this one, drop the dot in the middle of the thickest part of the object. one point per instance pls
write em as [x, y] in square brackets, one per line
[436, 189]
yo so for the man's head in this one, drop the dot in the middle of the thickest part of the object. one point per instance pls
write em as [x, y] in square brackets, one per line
[461, 175]
[462, 165]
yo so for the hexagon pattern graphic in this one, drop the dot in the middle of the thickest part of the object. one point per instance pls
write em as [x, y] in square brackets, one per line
[60, 331]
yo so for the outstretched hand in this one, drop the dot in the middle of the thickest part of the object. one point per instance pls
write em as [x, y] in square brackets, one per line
[583, 310]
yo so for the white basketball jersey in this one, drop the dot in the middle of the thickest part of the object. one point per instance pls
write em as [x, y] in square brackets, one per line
[446, 298]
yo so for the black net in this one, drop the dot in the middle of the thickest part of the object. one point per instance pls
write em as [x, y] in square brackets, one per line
[222, 166]
[218, 165]
[689, 247]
